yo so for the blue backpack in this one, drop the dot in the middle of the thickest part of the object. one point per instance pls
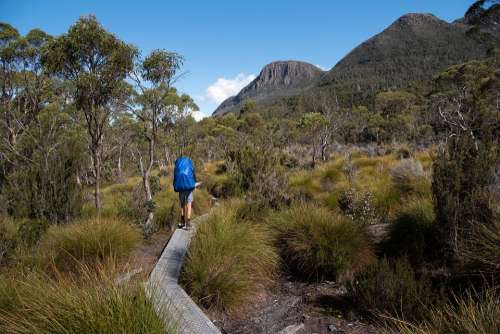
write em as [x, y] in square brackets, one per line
[184, 176]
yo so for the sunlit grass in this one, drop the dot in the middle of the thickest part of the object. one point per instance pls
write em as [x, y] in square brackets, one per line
[316, 243]
[229, 262]
[89, 303]
[88, 243]
[473, 313]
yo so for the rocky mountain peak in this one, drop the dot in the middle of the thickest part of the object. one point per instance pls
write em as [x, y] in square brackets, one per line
[281, 74]
[279, 78]
[417, 19]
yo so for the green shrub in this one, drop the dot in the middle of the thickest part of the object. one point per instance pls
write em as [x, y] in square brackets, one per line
[30, 231]
[8, 240]
[91, 304]
[471, 314]
[87, 243]
[228, 262]
[154, 183]
[133, 207]
[391, 288]
[258, 173]
[317, 244]
[413, 232]
[358, 205]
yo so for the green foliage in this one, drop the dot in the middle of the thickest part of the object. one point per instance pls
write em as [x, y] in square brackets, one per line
[93, 303]
[358, 205]
[391, 288]
[160, 66]
[154, 183]
[317, 244]
[29, 232]
[413, 232]
[228, 262]
[464, 168]
[248, 107]
[257, 171]
[87, 243]
[8, 240]
[46, 187]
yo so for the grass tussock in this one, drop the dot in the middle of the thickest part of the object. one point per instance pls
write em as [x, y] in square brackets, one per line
[316, 243]
[391, 288]
[228, 261]
[88, 243]
[91, 303]
[472, 314]
[412, 233]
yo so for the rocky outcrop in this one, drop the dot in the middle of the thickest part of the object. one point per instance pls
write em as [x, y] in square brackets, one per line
[280, 78]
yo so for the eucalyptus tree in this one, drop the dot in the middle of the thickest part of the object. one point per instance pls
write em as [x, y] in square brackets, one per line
[156, 105]
[24, 91]
[96, 63]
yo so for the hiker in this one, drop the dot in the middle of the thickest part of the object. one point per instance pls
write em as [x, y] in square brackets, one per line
[184, 184]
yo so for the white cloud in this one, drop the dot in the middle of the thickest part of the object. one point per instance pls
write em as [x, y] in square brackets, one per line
[224, 88]
[198, 115]
[321, 67]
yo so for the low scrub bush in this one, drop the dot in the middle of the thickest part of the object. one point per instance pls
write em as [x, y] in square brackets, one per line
[29, 231]
[391, 288]
[358, 205]
[471, 314]
[413, 232]
[92, 304]
[8, 240]
[228, 262]
[317, 244]
[409, 177]
[257, 171]
[87, 243]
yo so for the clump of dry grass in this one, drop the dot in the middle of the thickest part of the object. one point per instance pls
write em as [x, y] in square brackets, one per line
[229, 261]
[89, 303]
[472, 314]
[88, 242]
[316, 243]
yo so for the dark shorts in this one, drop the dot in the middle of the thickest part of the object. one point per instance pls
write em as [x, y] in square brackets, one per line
[186, 196]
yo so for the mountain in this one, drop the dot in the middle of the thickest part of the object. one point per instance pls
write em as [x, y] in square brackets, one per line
[277, 79]
[411, 50]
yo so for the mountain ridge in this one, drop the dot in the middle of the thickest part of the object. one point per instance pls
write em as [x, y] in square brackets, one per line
[411, 49]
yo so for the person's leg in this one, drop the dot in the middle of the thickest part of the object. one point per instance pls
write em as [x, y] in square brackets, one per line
[183, 206]
[187, 213]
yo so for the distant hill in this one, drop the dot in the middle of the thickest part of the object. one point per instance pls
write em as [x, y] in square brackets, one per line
[412, 49]
[277, 79]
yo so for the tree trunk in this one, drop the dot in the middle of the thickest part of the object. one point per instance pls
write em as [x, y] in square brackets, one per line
[97, 190]
[120, 174]
[146, 173]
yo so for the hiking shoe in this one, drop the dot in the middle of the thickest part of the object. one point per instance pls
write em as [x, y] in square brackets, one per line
[182, 223]
[187, 226]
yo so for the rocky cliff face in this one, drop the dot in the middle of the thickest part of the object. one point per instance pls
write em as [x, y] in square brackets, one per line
[280, 78]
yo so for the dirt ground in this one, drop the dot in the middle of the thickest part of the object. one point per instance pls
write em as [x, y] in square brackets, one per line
[145, 256]
[299, 308]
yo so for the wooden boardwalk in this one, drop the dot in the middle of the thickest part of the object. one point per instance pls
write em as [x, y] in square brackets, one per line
[168, 296]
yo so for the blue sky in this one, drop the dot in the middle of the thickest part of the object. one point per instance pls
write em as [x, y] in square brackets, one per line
[226, 43]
